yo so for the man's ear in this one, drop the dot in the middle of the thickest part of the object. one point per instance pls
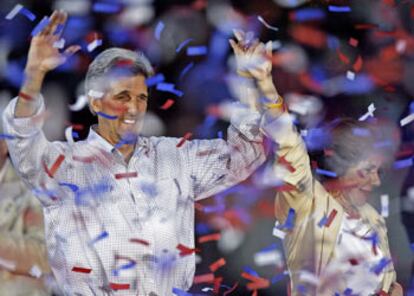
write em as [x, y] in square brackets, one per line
[96, 105]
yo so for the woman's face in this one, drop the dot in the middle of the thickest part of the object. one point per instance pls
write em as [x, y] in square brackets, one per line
[364, 177]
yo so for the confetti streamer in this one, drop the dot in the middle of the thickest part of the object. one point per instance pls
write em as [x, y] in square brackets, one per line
[331, 217]
[55, 166]
[81, 269]
[185, 70]
[406, 120]
[385, 205]
[20, 9]
[94, 44]
[153, 80]
[167, 104]
[139, 241]
[183, 44]
[179, 292]
[217, 264]
[158, 30]
[266, 24]
[101, 236]
[102, 7]
[40, 26]
[204, 278]
[184, 139]
[107, 116]
[7, 137]
[169, 87]
[370, 113]
[185, 251]
[232, 289]
[126, 175]
[404, 163]
[307, 14]
[326, 173]
[377, 269]
[116, 287]
[333, 8]
[196, 50]
[209, 237]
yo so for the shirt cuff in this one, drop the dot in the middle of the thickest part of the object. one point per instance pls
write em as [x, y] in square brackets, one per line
[23, 126]
[246, 121]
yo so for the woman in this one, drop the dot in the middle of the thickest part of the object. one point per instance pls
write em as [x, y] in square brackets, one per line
[335, 242]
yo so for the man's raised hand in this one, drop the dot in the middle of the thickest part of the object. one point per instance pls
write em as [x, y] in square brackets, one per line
[43, 56]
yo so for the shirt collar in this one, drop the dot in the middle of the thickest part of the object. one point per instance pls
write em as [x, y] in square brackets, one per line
[97, 140]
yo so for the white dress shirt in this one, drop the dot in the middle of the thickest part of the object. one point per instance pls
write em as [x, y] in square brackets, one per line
[84, 201]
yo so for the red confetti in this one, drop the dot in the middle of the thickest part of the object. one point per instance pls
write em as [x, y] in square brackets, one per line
[365, 26]
[216, 265]
[139, 241]
[353, 42]
[86, 159]
[115, 286]
[257, 282]
[198, 206]
[167, 104]
[358, 64]
[383, 293]
[287, 164]
[331, 216]
[184, 251]
[81, 269]
[209, 237]
[204, 278]
[126, 175]
[353, 261]
[217, 284]
[183, 139]
[343, 57]
[55, 166]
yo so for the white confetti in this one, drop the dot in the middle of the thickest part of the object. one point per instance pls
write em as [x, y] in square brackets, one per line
[266, 24]
[350, 75]
[35, 271]
[406, 120]
[14, 12]
[385, 205]
[59, 44]
[371, 109]
[80, 103]
[272, 257]
[94, 44]
[95, 94]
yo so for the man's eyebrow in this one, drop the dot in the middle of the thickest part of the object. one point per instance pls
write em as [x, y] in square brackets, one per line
[124, 92]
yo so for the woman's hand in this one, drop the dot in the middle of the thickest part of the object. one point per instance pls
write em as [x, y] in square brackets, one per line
[43, 56]
[396, 290]
[253, 58]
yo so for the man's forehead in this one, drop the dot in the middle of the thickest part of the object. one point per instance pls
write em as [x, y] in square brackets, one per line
[131, 83]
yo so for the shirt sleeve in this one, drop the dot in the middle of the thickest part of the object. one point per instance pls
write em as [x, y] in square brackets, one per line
[29, 149]
[291, 152]
[214, 165]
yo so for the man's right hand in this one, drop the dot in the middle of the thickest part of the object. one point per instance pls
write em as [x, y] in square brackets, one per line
[43, 56]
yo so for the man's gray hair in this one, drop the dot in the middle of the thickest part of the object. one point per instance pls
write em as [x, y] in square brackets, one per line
[136, 62]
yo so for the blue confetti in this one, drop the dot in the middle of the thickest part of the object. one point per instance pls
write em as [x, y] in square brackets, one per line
[333, 8]
[323, 221]
[361, 132]
[269, 248]
[278, 277]
[154, 80]
[101, 236]
[179, 292]
[7, 136]
[220, 134]
[250, 271]
[348, 292]
[185, 70]
[169, 87]
[75, 135]
[28, 14]
[158, 30]
[404, 163]
[40, 26]
[111, 117]
[290, 220]
[128, 265]
[72, 187]
[308, 14]
[377, 269]
[326, 173]
[59, 29]
[106, 7]
[196, 50]
[183, 44]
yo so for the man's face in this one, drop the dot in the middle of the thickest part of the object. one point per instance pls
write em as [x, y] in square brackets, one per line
[127, 99]
[365, 177]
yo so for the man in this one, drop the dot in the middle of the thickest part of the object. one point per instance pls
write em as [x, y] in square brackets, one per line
[23, 259]
[117, 205]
